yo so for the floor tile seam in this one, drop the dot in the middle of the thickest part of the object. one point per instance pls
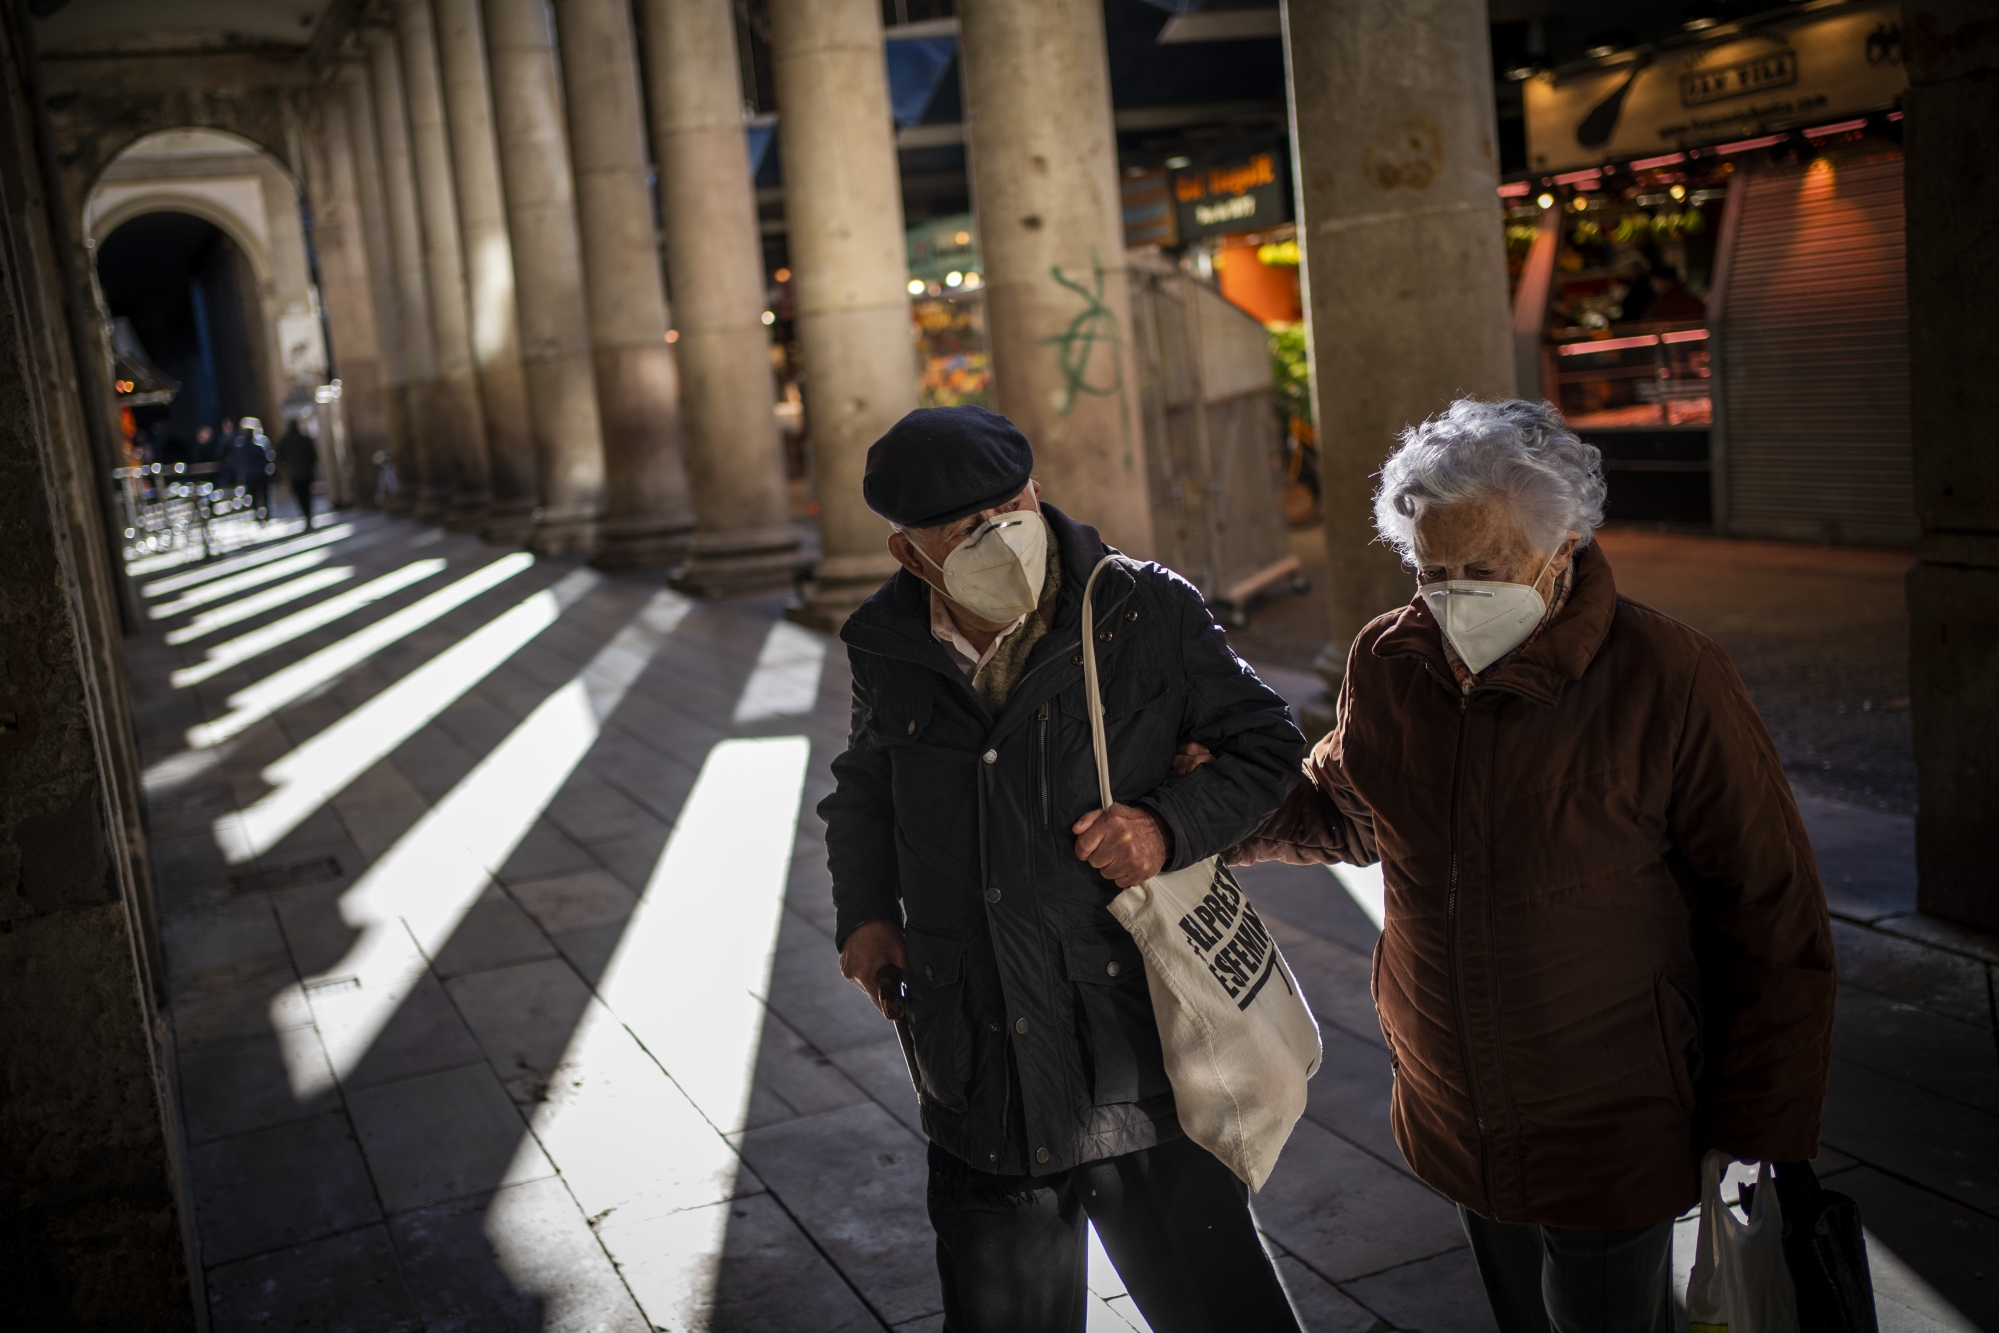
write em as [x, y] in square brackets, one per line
[1927, 1010]
[1320, 1274]
[778, 1198]
[350, 1087]
[596, 1237]
[1344, 1283]
[1874, 1164]
[1902, 1078]
[1873, 924]
[379, 1221]
[1401, 1169]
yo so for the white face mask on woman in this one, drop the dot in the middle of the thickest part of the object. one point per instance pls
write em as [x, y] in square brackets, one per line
[1486, 621]
[996, 573]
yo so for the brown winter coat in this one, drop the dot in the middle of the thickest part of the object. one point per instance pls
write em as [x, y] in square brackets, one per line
[1606, 946]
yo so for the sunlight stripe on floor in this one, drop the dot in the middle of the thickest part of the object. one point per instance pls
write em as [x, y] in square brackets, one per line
[231, 613]
[1365, 886]
[785, 682]
[736, 830]
[264, 555]
[411, 900]
[280, 632]
[253, 703]
[317, 770]
[203, 594]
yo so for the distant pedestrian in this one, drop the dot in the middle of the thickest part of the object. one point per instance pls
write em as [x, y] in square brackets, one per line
[298, 459]
[250, 466]
[1606, 948]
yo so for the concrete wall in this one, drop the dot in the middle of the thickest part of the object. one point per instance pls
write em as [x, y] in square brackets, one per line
[94, 1227]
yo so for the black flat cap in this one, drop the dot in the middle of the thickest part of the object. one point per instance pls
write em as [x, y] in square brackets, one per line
[939, 464]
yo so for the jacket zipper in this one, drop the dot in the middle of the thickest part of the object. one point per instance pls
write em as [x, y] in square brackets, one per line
[1047, 812]
[1457, 989]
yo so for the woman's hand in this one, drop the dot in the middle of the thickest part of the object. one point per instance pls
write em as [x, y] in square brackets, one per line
[1190, 756]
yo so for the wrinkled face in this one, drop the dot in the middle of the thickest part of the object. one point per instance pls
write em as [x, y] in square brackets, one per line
[1482, 540]
[940, 541]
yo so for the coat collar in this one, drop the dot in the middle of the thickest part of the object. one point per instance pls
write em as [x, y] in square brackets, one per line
[1544, 667]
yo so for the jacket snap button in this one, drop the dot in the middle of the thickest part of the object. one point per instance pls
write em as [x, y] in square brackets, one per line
[930, 973]
[912, 726]
[1040, 1154]
[994, 1026]
[992, 1157]
[1077, 660]
[1112, 968]
[1020, 1026]
[1131, 615]
[993, 894]
[1105, 635]
[990, 756]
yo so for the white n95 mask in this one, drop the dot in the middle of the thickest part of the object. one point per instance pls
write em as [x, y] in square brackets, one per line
[1486, 621]
[997, 572]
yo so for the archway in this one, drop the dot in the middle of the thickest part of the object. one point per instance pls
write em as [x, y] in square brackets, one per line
[190, 297]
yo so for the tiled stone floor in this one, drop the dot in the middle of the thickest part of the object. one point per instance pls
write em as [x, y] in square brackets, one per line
[504, 997]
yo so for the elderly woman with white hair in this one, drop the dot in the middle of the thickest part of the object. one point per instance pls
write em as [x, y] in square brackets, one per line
[1605, 948]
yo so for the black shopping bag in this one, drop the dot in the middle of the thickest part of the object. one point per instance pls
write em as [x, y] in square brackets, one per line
[1826, 1253]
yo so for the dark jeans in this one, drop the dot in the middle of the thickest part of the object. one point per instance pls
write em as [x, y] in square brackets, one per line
[1572, 1280]
[1013, 1250]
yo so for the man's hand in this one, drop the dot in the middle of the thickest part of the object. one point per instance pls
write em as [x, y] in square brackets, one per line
[1125, 843]
[1190, 756]
[869, 949]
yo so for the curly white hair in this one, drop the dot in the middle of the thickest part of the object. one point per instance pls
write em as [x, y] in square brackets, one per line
[1473, 449]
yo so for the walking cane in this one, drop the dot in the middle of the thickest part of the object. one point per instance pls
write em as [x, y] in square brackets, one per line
[888, 983]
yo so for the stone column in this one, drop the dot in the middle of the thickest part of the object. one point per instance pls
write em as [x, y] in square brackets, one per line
[359, 101]
[428, 474]
[850, 274]
[489, 271]
[1951, 135]
[648, 513]
[548, 272]
[1051, 233]
[345, 284]
[1404, 266]
[743, 538]
[460, 420]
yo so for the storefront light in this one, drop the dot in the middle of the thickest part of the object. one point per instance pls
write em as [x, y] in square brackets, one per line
[1178, 163]
[972, 280]
[769, 318]
[953, 278]
[1546, 201]
[782, 275]
[916, 286]
[962, 238]
[1678, 192]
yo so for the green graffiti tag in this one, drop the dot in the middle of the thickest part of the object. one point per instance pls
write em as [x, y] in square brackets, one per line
[1076, 345]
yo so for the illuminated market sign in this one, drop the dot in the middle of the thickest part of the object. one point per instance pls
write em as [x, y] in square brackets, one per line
[1236, 195]
[1739, 80]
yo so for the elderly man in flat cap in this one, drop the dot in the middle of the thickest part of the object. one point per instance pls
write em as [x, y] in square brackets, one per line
[969, 855]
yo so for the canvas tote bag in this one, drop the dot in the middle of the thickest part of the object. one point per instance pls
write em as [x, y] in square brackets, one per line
[1239, 1039]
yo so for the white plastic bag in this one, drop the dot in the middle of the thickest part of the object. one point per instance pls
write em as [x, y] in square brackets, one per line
[1238, 1037]
[1740, 1282]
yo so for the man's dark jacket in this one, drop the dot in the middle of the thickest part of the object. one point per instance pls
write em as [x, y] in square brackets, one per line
[956, 823]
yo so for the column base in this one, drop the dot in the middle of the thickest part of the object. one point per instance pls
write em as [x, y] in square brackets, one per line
[431, 505]
[733, 564]
[466, 513]
[837, 587]
[642, 545]
[562, 532]
[508, 525]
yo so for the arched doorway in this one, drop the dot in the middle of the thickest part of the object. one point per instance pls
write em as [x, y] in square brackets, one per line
[189, 297]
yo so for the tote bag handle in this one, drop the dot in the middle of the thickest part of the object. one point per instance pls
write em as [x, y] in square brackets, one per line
[1092, 691]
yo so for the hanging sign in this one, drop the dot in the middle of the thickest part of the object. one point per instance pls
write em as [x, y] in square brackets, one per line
[1741, 81]
[1247, 193]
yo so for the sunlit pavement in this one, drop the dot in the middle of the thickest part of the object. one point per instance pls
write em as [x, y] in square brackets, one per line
[503, 991]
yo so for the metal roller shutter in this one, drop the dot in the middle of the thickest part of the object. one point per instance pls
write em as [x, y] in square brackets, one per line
[1814, 346]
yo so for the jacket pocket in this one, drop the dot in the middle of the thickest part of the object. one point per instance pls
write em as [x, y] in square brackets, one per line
[1114, 1020]
[937, 1022]
[901, 718]
[1679, 1036]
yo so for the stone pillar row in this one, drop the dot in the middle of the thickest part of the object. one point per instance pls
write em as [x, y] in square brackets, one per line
[506, 150]
[508, 246]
